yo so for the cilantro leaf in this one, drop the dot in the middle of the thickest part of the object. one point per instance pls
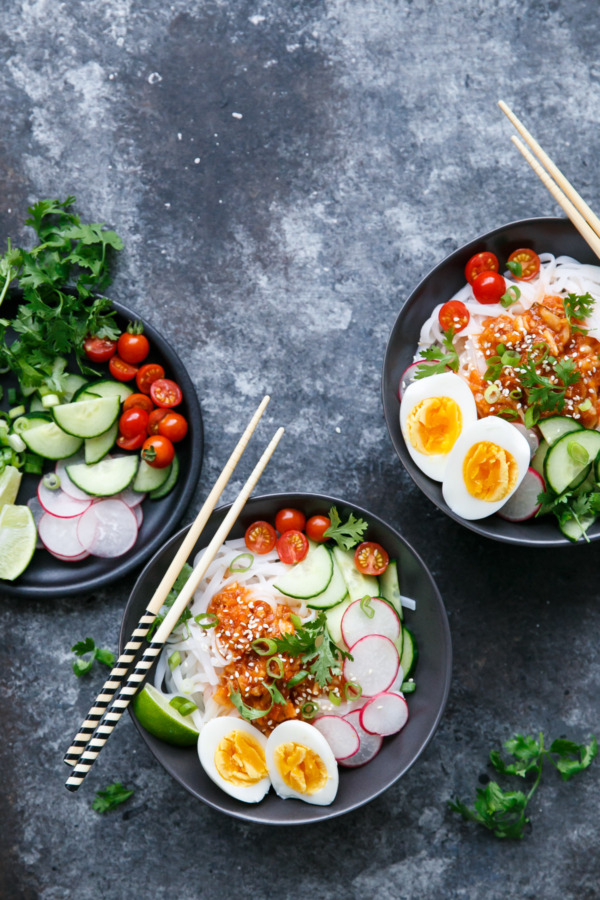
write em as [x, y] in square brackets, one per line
[345, 534]
[438, 362]
[578, 306]
[88, 646]
[313, 644]
[110, 797]
[502, 813]
[572, 757]
[247, 712]
[82, 647]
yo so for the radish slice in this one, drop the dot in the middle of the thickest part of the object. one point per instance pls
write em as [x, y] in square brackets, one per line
[340, 734]
[370, 744]
[139, 514]
[384, 714]
[60, 504]
[374, 664]
[59, 536]
[65, 482]
[37, 511]
[83, 555]
[357, 623]
[398, 681]
[108, 528]
[530, 436]
[524, 503]
[130, 497]
[409, 374]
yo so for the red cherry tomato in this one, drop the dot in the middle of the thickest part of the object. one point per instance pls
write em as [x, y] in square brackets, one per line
[165, 392]
[481, 262]
[316, 528]
[121, 370]
[489, 287]
[289, 520]
[529, 262]
[370, 558]
[133, 421]
[138, 401]
[158, 451]
[154, 420]
[260, 537]
[133, 348]
[132, 443]
[148, 374]
[172, 425]
[98, 349]
[292, 546]
[454, 314]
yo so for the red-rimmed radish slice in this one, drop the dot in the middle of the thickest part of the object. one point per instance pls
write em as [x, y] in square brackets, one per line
[108, 528]
[370, 744]
[65, 482]
[59, 536]
[37, 511]
[524, 503]
[130, 497]
[529, 435]
[387, 713]
[398, 681]
[83, 555]
[408, 376]
[139, 515]
[374, 664]
[340, 734]
[374, 617]
[57, 503]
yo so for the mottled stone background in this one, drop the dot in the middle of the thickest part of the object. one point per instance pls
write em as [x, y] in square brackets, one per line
[282, 175]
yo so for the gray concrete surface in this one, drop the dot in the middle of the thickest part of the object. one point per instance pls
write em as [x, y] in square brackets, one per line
[282, 175]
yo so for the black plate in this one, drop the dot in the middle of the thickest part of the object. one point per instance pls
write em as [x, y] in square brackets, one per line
[544, 235]
[426, 705]
[48, 577]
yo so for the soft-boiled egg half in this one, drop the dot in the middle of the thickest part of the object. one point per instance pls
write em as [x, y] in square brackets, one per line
[486, 466]
[233, 754]
[434, 412]
[301, 763]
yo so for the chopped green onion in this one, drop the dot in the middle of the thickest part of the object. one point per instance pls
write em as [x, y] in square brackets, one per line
[492, 393]
[21, 424]
[508, 413]
[241, 568]
[515, 267]
[516, 394]
[264, 646]
[33, 464]
[310, 709]
[51, 481]
[206, 620]
[184, 707]
[510, 297]
[408, 687]
[174, 660]
[587, 404]
[50, 400]
[16, 442]
[366, 607]
[578, 453]
[16, 411]
[296, 620]
[531, 416]
[12, 395]
[297, 678]
[335, 698]
[352, 691]
[279, 667]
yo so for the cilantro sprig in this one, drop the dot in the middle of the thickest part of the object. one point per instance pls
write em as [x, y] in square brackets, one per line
[313, 644]
[345, 534]
[110, 797]
[87, 648]
[436, 361]
[504, 812]
[543, 393]
[578, 306]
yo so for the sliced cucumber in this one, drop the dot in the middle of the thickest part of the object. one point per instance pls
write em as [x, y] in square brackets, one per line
[556, 426]
[334, 617]
[335, 591]
[104, 388]
[104, 478]
[31, 420]
[410, 653]
[389, 587]
[309, 578]
[148, 478]
[72, 384]
[573, 530]
[539, 456]
[170, 482]
[358, 585]
[87, 418]
[51, 442]
[96, 448]
[570, 458]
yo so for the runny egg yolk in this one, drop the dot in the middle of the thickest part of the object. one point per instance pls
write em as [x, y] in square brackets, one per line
[490, 472]
[301, 768]
[240, 759]
[434, 425]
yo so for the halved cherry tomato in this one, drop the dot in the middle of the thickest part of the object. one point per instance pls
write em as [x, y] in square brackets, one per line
[292, 546]
[138, 401]
[489, 287]
[148, 374]
[172, 425]
[158, 451]
[370, 558]
[316, 528]
[133, 421]
[154, 420]
[290, 520]
[481, 262]
[165, 392]
[133, 348]
[260, 537]
[132, 443]
[99, 349]
[529, 262]
[121, 370]
[454, 314]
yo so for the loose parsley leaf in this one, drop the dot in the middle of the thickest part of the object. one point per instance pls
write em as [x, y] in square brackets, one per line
[346, 534]
[111, 797]
[441, 361]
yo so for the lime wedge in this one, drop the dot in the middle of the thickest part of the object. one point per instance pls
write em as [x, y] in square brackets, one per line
[18, 537]
[156, 715]
[10, 481]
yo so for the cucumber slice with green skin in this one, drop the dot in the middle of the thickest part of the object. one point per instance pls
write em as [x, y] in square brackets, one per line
[104, 388]
[148, 478]
[410, 653]
[87, 418]
[556, 426]
[105, 478]
[33, 420]
[310, 577]
[335, 591]
[358, 585]
[389, 587]
[169, 484]
[334, 616]
[96, 448]
[51, 442]
[573, 530]
[73, 383]
[565, 465]
[539, 456]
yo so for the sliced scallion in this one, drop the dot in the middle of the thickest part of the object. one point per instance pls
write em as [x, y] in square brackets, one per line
[296, 620]
[183, 706]
[275, 667]
[51, 481]
[587, 404]
[309, 709]
[174, 660]
[297, 678]
[492, 393]
[335, 698]
[408, 687]
[352, 691]
[237, 564]
[16, 411]
[206, 620]
[367, 607]
[264, 646]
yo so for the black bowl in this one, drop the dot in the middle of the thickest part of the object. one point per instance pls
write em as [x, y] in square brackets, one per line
[48, 577]
[426, 704]
[544, 235]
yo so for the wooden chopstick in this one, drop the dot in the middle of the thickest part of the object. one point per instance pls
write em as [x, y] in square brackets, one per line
[120, 669]
[116, 709]
[583, 218]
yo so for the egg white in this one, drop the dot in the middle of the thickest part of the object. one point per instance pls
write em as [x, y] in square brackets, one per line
[447, 384]
[454, 489]
[308, 736]
[211, 734]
